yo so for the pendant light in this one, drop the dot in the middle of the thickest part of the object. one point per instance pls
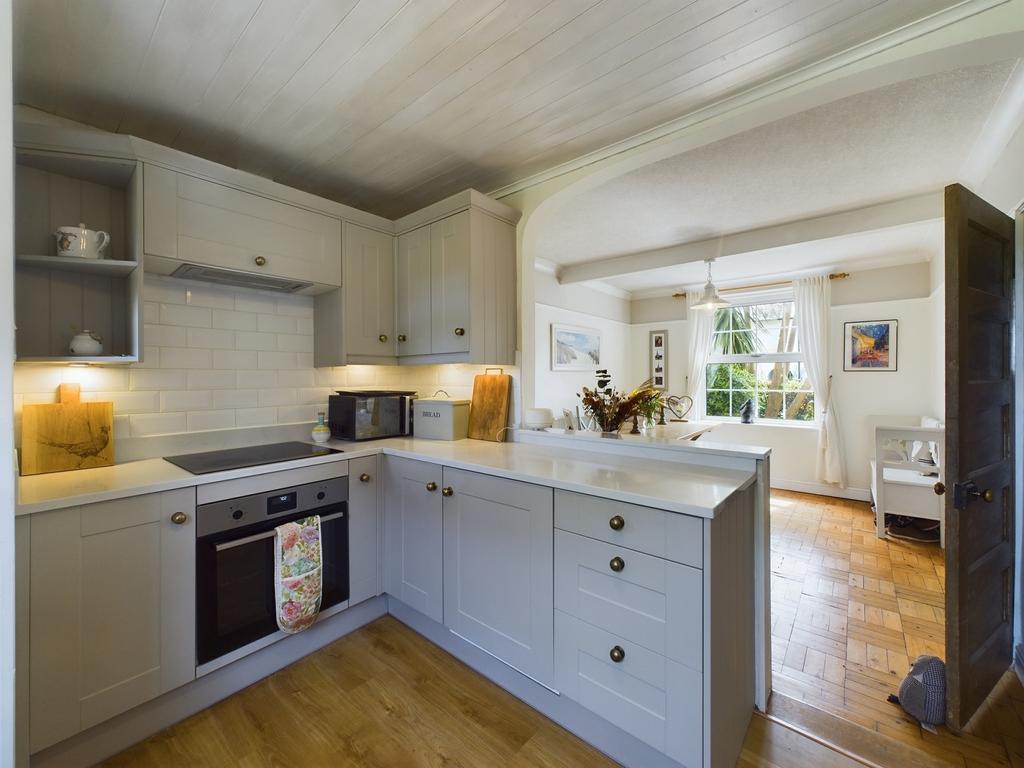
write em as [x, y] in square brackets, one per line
[709, 298]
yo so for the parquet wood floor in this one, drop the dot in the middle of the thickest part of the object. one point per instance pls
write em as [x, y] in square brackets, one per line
[850, 612]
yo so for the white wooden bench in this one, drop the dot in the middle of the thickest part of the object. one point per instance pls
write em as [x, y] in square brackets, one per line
[904, 485]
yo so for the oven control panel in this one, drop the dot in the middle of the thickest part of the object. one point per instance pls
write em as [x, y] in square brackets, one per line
[224, 515]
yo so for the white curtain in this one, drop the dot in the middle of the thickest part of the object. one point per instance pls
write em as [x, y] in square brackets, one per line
[813, 299]
[702, 324]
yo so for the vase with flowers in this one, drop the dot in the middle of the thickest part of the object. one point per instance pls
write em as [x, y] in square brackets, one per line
[610, 408]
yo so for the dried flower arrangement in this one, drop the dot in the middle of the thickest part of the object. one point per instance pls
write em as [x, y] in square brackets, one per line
[611, 408]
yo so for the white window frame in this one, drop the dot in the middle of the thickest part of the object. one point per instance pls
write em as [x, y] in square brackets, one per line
[717, 358]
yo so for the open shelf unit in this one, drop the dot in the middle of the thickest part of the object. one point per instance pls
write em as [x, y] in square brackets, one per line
[57, 297]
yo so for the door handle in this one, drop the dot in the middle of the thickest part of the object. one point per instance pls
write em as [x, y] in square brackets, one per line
[447, 491]
[179, 518]
[460, 331]
[617, 564]
[939, 488]
[431, 486]
[963, 491]
[401, 337]
[364, 478]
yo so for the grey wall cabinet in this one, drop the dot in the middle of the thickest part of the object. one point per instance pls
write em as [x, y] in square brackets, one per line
[413, 534]
[112, 609]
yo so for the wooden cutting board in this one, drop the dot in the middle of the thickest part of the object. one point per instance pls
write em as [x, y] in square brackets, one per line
[66, 435]
[488, 410]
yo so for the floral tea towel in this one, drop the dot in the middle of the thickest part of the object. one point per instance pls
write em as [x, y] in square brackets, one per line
[298, 569]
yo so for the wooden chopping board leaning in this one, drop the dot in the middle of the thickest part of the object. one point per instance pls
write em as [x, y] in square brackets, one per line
[488, 410]
[66, 435]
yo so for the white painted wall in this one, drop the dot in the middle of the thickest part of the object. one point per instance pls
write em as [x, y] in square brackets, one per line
[7, 670]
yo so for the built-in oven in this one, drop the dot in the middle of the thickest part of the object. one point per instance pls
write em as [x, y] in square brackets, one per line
[235, 606]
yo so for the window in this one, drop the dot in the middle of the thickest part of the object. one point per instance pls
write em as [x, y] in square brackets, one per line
[755, 355]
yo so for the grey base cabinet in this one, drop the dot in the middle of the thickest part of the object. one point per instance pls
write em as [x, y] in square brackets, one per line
[499, 569]
[112, 609]
[412, 535]
[363, 529]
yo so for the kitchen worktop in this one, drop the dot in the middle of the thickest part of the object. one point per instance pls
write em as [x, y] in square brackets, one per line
[673, 486]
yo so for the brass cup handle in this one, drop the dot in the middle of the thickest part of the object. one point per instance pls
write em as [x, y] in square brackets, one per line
[364, 478]
[617, 564]
[617, 523]
[460, 331]
[431, 486]
[617, 654]
[447, 491]
[401, 337]
[261, 261]
[179, 518]
[382, 338]
[939, 488]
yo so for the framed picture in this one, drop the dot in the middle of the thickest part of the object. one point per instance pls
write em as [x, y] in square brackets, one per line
[870, 345]
[574, 348]
[658, 349]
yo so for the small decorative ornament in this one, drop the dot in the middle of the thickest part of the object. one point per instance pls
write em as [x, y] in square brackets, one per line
[86, 344]
[321, 432]
[747, 412]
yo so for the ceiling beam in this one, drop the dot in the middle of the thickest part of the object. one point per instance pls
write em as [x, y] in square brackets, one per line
[907, 210]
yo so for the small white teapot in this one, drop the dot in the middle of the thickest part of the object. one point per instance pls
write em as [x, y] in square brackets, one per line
[81, 243]
[86, 344]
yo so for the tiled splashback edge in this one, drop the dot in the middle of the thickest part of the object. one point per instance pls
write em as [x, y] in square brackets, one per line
[220, 358]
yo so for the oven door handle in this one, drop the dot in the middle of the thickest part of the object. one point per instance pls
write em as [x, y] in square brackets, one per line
[264, 535]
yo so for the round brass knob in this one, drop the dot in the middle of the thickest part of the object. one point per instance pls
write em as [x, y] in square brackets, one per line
[260, 261]
[617, 523]
[431, 486]
[447, 491]
[401, 337]
[179, 518]
[617, 564]
[364, 478]
[460, 331]
[382, 338]
[939, 488]
[617, 654]
[987, 495]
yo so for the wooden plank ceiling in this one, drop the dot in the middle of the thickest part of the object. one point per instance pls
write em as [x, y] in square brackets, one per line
[391, 104]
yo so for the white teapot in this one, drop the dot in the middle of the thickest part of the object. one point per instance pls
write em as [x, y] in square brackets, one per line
[82, 243]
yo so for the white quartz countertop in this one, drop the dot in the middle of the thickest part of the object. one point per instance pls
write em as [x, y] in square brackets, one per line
[674, 486]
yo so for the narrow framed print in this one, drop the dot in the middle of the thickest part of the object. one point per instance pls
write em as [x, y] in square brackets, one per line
[658, 349]
[870, 345]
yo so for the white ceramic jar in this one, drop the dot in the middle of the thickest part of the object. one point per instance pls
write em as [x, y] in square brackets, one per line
[86, 344]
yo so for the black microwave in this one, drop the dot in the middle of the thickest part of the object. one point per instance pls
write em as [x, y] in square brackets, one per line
[369, 414]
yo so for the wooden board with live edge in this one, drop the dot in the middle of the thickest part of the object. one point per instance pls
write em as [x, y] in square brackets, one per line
[67, 435]
[488, 410]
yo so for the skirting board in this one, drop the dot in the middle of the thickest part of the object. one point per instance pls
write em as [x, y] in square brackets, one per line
[822, 489]
[596, 731]
[119, 733]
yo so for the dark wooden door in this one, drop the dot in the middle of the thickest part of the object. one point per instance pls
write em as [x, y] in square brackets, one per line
[979, 450]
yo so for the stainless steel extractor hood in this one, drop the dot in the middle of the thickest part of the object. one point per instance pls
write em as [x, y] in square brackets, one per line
[240, 279]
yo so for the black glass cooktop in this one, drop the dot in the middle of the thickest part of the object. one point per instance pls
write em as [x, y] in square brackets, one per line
[250, 456]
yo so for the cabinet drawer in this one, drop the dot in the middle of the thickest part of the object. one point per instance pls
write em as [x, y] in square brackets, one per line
[645, 529]
[654, 698]
[651, 601]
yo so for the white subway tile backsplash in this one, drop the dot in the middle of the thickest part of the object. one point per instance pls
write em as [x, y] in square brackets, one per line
[255, 379]
[270, 397]
[200, 421]
[255, 417]
[222, 358]
[146, 378]
[146, 424]
[234, 321]
[165, 335]
[254, 340]
[276, 324]
[211, 339]
[185, 400]
[174, 357]
[210, 379]
[236, 359]
[179, 314]
[278, 360]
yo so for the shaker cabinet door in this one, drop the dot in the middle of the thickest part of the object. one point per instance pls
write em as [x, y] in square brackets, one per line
[369, 286]
[412, 534]
[413, 292]
[363, 529]
[498, 568]
[112, 609]
[449, 284]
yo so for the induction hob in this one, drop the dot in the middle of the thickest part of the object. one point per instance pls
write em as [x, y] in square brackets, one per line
[250, 456]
